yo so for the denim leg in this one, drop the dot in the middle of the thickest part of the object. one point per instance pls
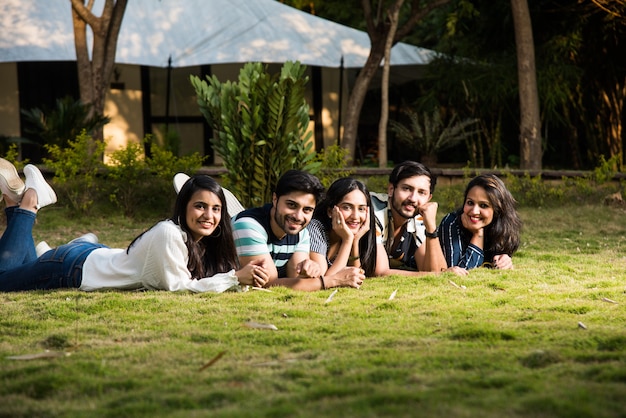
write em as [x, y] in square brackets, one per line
[16, 244]
[61, 267]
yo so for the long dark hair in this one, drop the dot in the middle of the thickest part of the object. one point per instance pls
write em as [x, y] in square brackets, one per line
[334, 195]
[211, 254]
[502, 235]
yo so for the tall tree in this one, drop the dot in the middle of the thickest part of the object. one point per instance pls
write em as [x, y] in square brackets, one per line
[94, 75]
[378, 28]
[530, 119]
[609, 86]
[384, 106]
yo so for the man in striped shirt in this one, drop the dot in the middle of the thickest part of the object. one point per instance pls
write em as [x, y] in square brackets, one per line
[275, 235]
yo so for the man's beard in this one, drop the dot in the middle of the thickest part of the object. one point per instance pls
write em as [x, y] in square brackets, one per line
[283, 225]
[399, 208]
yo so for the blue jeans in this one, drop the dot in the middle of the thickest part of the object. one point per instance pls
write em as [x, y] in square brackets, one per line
[20, 269]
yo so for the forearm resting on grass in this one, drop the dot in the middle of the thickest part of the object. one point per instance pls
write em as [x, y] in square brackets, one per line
[346, 277]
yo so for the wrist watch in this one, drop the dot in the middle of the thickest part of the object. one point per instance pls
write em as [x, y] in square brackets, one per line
[433, 234]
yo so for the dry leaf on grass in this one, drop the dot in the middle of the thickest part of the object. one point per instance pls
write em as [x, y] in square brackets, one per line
[581, 325]
[609, 300]
[261, 288]
[44, 354]
[332, 295]
[213, 360]
[456, 285]
[257, 325]
[393, 294]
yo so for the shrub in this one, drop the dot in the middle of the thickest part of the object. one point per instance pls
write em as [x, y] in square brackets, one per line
[332, 162]
[139, 183]
[12, 155]
[76, 169]
[260, 127]
[129, 174]
[132, 182]
[532, 191]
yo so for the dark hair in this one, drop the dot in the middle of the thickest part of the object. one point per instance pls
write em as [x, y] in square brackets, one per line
[410, 168]
[299, 181]
[502, 235]
[214, 253]
[334, 195]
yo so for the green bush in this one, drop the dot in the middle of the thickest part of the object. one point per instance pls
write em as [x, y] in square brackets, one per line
[145, 184]
[533, 191]
[12, 155]
[164, 162]
[260, 127]
[332, 161]
[129, 176]
[131, 182]
[76, 169]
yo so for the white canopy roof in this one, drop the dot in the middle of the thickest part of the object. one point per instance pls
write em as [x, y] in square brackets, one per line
[194, 32]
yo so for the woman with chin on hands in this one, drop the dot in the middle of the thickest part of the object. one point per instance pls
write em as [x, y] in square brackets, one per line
[485, 231]
[343, 235]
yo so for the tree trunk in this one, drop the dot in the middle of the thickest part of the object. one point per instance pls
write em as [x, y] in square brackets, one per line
[384, 105]
[356, 99]
[377, 29]
[613, 107]
[94, 75]
[530, 119]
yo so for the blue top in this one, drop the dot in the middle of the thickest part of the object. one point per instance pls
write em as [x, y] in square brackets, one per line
[455, 243]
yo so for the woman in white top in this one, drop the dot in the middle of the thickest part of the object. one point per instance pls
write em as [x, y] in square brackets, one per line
[193, 250]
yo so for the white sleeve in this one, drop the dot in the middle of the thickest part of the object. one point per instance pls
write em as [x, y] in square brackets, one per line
[166, 264]
[219, 283]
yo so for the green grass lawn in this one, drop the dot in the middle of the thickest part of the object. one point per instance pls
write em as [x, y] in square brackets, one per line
[547, 339]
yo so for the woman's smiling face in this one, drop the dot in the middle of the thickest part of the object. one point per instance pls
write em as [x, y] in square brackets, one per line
[477, 208]
[353, 207]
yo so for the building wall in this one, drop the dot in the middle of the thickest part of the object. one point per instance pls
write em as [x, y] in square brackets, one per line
[123, 105]
[9, 101]
[330, 103]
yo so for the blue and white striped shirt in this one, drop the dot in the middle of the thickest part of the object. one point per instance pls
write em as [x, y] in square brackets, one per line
[253, 236]
[455, 244]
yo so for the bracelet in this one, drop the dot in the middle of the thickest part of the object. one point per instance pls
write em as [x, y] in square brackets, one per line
[353, 258]
[433, 234]
[323, 284]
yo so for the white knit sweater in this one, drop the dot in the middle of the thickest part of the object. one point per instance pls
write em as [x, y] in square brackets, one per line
[157, 260]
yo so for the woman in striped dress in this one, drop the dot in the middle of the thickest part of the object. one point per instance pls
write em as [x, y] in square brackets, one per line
[485, 231]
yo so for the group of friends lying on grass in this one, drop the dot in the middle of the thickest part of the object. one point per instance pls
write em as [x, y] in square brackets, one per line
[307, 238]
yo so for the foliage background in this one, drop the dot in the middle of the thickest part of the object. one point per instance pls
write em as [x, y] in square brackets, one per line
[581, 71]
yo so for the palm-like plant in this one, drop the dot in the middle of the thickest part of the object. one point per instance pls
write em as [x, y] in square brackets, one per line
[63, 123]
[260, 127]
[429, 134]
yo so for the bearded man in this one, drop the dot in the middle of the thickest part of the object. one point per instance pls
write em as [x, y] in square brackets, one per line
[406, 217]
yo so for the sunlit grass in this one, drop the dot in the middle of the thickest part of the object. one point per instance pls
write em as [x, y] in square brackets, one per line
[547, 339]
